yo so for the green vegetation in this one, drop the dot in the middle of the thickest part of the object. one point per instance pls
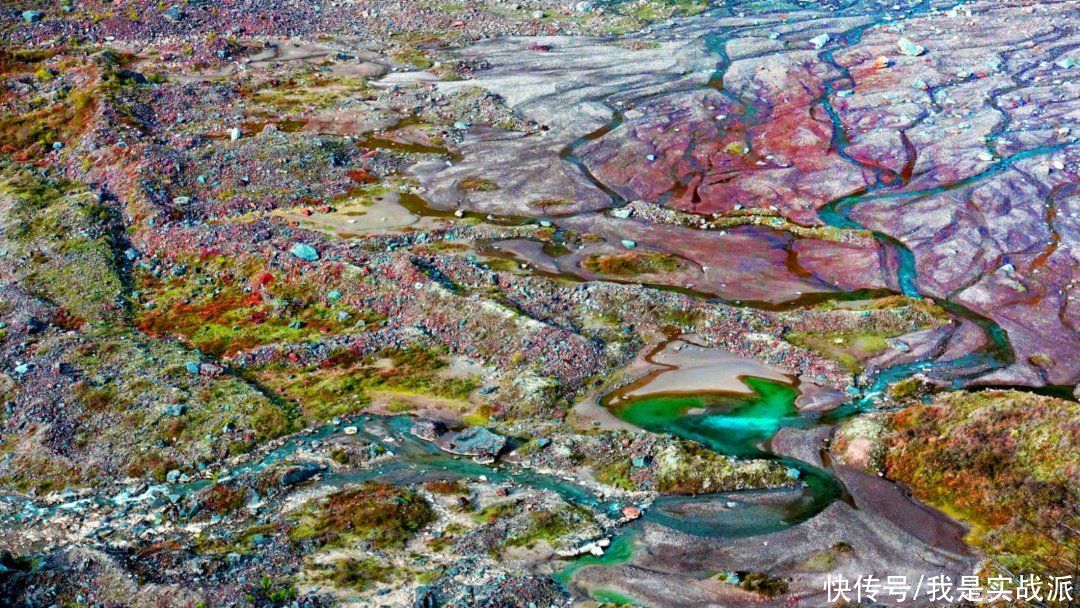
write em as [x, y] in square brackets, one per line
[327, 391]
[827, 560]
[546, 525]
[273, 593]
[413, 57]
[70, 240]
[480, 416]
[651, 11]
[321, 394]
[690, 468]
[203, 300]
[357, 574]
[905, 388]
[128, 382]
[682, 317]
[31, 133]
[68, 237]
[631, 264]
[309, 91]
[617, 474]
[632, 16]
[925, 308]
[858, 330]
[399, 406]
[476, 184]
[244, 542]
[849, 349]
[1004, 461]
[380, 514]
[763, 584]
[496, 511]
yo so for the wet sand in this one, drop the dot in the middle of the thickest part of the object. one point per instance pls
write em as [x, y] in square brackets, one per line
[892, 502]
[670, 568]
[353, 217]
[674, 365]
[685, 367]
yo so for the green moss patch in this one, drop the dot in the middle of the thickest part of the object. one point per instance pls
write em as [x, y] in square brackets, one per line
[67, 236]
[357, 574]
[548, 525]
[323, 392]
[849, 349]
[688, 467]
[382, 515]
[631, 264]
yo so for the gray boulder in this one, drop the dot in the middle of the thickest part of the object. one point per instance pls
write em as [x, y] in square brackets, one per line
[428, 430]
[473, 441]
[300, 474]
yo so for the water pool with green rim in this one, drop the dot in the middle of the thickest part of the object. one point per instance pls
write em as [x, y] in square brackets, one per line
[728, 423]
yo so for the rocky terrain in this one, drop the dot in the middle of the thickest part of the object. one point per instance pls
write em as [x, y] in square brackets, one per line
[538, 303]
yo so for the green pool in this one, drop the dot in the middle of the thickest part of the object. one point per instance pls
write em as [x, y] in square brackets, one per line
[732, 424]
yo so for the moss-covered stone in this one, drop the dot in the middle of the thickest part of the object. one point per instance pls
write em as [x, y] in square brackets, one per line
[687, 467]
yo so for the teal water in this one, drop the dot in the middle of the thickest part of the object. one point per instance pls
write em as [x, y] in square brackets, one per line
[414, 460]
[612, 597]
[741, 426]
[619, 552]
[731, 424]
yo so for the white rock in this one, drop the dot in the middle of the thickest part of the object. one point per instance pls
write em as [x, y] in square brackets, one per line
[909, 48]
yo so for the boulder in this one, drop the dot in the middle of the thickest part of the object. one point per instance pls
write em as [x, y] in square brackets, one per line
[174, 13]
[300, 474]
[304, 252]
[909, 48]
[473, 441]
[428, 430]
